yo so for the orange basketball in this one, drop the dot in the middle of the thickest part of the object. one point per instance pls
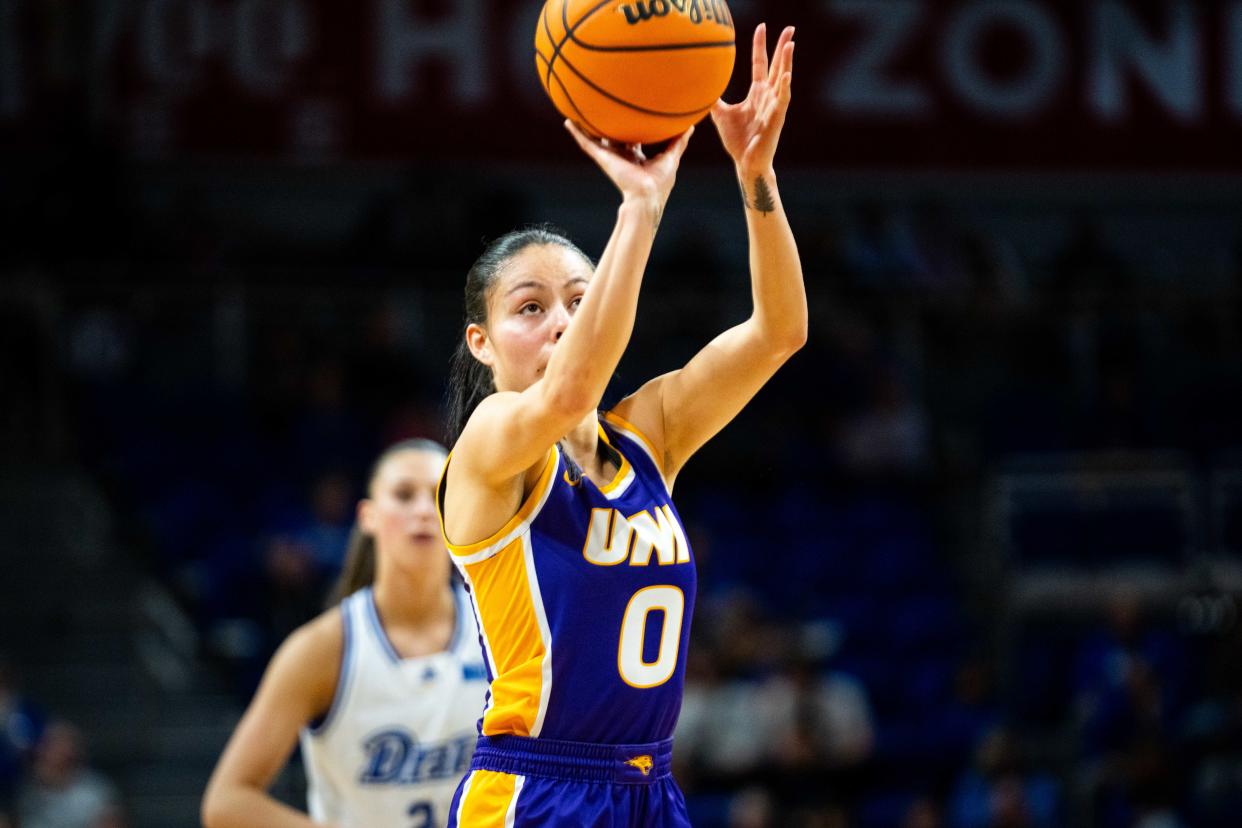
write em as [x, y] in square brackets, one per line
[636, 71]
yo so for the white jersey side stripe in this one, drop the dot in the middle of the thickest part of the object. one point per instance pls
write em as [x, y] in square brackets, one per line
[461, 803]
[545, 632]
[511, 814]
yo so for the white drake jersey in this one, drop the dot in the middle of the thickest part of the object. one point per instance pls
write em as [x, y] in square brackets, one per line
[400, 732]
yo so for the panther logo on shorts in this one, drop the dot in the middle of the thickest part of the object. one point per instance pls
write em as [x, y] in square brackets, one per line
[643, 763]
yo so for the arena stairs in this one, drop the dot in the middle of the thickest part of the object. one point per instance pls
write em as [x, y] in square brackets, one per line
[98, 643]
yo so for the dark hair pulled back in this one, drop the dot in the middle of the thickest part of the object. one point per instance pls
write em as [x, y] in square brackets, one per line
[470, 381]
[358, 570]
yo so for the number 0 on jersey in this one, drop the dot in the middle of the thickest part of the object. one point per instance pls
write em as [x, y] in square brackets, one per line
[634, 670]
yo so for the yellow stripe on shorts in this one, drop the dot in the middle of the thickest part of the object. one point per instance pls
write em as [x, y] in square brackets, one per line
[490, 800]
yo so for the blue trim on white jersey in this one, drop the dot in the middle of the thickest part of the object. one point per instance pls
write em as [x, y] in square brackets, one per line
[459, 609]
[459, 617]
[373, 613]
[346, 674]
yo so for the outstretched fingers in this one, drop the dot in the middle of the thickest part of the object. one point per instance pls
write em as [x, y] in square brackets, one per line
[759, 54]
[782, 56]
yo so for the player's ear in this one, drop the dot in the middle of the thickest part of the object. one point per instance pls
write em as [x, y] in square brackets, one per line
[479, 344]
[366, 516]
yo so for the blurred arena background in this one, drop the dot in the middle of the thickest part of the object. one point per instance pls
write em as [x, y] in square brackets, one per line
[1005, 474]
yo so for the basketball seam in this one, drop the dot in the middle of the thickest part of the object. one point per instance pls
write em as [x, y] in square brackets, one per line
[553, 76]
[569, 34]
[569, 31]
[634, 106]
[557, 52]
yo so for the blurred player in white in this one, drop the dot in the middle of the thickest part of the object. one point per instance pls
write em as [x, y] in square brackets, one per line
[383, 691]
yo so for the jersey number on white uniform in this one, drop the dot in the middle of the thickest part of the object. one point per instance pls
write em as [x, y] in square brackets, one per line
[630, 664]
[424, 815]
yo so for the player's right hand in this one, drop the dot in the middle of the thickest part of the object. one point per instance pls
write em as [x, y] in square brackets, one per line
[635, 175]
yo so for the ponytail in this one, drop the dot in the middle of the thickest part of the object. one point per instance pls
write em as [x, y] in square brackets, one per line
[470, 382]
[358, 571]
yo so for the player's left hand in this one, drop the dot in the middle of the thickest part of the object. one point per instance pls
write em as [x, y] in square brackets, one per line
[750, 130]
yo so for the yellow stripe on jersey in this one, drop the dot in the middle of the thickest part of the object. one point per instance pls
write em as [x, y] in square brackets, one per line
[646, 443]
[502, 592]
[524, 513]
[488, 800]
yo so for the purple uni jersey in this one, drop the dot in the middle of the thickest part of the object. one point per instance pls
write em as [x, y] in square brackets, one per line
[583, 602]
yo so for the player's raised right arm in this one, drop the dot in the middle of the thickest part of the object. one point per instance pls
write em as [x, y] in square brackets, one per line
[298, 686]
[511, 432]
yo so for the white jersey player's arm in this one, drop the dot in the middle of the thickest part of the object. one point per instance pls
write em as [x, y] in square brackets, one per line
[297, 687]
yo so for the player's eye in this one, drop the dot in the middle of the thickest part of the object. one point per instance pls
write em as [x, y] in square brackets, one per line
[403, 495]
[573, 305]
[529, 308]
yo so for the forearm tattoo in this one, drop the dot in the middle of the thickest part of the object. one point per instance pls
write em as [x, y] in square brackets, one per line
[763, 202]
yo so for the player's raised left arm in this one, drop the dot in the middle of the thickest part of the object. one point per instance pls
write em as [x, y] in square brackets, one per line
[682, 410]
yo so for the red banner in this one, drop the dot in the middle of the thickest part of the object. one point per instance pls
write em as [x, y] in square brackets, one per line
[977, 84]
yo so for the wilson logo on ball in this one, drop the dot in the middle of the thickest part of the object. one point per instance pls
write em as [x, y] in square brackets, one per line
[696, 10]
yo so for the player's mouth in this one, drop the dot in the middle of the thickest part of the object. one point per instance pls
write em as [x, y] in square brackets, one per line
[423, 537]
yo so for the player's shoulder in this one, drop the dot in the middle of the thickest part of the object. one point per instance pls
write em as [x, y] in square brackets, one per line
[311, 655]
[642, 406]
[323, 633]
[640, 418]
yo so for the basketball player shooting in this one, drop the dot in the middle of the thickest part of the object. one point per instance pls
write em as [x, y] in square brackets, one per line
[560, 517]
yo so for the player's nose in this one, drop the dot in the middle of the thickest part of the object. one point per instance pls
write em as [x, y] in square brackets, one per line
[560, 321]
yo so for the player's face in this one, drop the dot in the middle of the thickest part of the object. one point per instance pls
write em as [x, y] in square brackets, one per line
[530, 306]
[401, 510]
